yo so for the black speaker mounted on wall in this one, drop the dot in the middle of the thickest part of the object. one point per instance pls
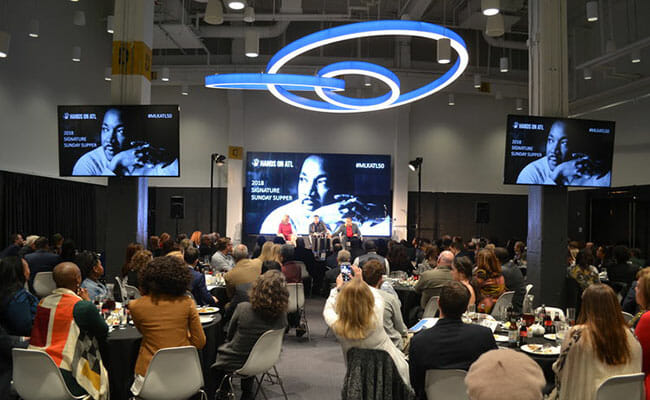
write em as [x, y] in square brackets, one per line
[482, 212]
[177, 207]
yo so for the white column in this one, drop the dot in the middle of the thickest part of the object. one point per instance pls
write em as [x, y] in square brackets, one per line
[234, 217]
[401, 171]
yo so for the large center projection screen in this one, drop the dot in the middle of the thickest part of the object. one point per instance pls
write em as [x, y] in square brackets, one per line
[332, 186]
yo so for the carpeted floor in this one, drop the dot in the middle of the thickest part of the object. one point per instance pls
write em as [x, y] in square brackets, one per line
[310, 369]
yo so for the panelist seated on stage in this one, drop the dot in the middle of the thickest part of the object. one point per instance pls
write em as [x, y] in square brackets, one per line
[348, 230]
[318, 227]
[286, 230]
[322, 191]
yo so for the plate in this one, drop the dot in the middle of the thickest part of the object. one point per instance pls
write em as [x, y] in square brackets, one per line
[500, 338]
[541, 350]
[550, 336]
[206, 319]
[208, 310]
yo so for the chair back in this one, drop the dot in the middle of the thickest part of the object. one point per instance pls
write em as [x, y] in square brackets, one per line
[174, 373]
[303, 270]
[552, 312]
[296, 297]
[431, 308]
[629, 387]
[44, 284]
[124, 298]
[36, 377]
[445, 384]
[627, 317]
[132, 292]
[264, 355]
[503, 302]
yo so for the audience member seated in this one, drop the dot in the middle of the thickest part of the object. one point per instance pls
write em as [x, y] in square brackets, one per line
[41, 260]
[304, 255]
[267, 252]
[222, 260]
[461, 271]
[91, 270]
[624, 271]
[68, 250]
[154, 246]
[355, 315]
[430, 254]
[164, 315]
[599, 347]
[432, 281]
[169, 246]
[29, 246]
[267, 310]
[205, 248]
[399, 260]
[131, 249]
[355, 248]
[290, 268]
[513, 277]
[15, 244]
[371, 254]
[373, 271]
[505, 373]
[271, 266]
[196, 239]
[342, 258]
[139, 262]
[197, 282]
[331, 260]
[635, 258]
[490, 280]
[17, 305]
[642, 330]
[7, 343]
[450, 343]
[74, 341]
[583, 271]
[239, 279]
[259, 243]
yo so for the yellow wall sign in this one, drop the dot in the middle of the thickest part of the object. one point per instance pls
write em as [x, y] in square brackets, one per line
[235, 152]
[131, 58]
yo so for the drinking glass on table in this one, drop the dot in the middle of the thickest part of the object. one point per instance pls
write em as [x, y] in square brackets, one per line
[571, 316]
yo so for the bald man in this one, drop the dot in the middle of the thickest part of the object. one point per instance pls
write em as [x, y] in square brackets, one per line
[69, 328]
[431, 282]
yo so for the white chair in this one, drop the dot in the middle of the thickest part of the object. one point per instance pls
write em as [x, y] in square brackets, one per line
[132, 292]
[628, 387]
[297, 303]
[552, 312]
[503, 302]
[431, 308]
[174, 373]
[527, 304]
[43, 284]
[627, 317]
[124, 297]
[36, 377]
[445, 384]
[262, 358]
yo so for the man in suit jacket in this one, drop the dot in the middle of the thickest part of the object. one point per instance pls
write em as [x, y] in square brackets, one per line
[41, 260]
[371, 254]
[197, 284]
[515, 280]
[348, 230]
[450, 344]
[245, 271]
[432, 281]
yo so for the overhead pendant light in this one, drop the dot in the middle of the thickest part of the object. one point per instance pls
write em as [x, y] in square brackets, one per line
[586, 74]
[494, 27]
[213, 12]
[477, 81]
[76, 53]
[503, 64]
[519, 104]
[74, 1]
[249, 14]
[451, 101]
[443, 51]
[185, 90]
[636, 56]
[108, 74]
[79, 18]
[164, 74]
[592, 11]
[251, 43]
[498, 95]
[236, 4]
[110, 24]
[366, 81]
[33, 28]
[490, 7]
[5, 38]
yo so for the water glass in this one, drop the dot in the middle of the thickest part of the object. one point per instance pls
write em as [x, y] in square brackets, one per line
[571, 315]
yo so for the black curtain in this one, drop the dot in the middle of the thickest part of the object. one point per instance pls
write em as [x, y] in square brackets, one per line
[34, 205]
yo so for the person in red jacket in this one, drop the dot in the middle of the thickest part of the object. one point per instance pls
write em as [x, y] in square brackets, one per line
[285, 229]
[642, 330]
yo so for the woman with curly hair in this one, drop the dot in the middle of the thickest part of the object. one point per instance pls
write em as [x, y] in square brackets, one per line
[131, 249]
[489, 279]
[267, 310]
[164, 315]
[138, 263]
[17, 305]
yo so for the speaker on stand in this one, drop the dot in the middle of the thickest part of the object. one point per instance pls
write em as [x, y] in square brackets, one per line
[177, 209]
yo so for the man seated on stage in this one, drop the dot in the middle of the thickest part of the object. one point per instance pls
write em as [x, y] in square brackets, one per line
[319, 234]
[318, 227]
[285, 229]
[348, 230]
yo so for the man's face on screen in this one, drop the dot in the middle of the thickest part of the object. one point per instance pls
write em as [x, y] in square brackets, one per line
[557, 146]
[114, 137]
[314, 188]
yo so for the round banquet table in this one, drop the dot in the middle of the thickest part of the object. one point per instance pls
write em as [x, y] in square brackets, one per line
[122, 352]
[545, 362]
[410, 300]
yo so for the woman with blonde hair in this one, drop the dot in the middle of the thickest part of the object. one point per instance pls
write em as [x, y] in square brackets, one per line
[267, 252]
[276, 253]
[355, 315]
[489, 279]
[599, 347]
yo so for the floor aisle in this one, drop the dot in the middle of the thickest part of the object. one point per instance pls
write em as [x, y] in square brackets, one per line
[310, 370]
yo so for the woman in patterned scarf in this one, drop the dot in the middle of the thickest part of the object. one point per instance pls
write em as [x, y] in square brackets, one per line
[489, 279]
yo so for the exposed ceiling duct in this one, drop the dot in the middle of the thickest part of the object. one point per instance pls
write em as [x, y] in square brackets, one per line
[507, 44]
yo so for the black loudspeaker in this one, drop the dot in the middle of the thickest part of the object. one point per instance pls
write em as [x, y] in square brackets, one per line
[177, 207]
[482, 212]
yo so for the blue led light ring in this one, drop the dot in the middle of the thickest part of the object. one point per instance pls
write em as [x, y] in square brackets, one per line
[365, 69]
[261, 81]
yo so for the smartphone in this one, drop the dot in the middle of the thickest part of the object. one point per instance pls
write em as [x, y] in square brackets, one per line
[346, 271]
